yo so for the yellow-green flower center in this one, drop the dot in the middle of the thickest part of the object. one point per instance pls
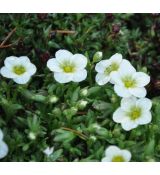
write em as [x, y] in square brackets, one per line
[129, 82]
[112, 67]
[135, 113]
[118, 158]
[68, 67]
[19, 70]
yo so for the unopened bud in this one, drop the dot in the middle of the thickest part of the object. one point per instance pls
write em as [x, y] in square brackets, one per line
[53, 99]
[32, 136]
[82, 104]
[84, 92]
[97, 57]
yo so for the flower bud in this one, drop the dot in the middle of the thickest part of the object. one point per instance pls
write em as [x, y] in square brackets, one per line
[53, 99]
[32, 136]
[97, 57]
[82, 104]
[93, 138]
[84, 92]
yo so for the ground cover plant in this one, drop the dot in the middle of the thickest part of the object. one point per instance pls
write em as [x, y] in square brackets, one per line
[79, 87]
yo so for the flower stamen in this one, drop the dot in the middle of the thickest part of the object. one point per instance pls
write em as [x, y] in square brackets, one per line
[19, 70]
[118, 158]
[129, 82]
[112, 67]
[135, 113]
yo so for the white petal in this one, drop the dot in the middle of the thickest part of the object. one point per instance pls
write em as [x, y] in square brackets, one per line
[129, 125]
[127, 103]
[1, 135]
[3, 149]
[121, 91]
[54, 65]
[142, 79]
[7, 73]
[24, 59]
[106, 159]
[111, 151]
[102, 65]
[116, 79]
[144, 103]
[11, 61]
[62, 55]
[127, 155]
[126, 68]
[63, 77]
[145, 118]
[79, 75]
[116, 58]
[22, 79]
[138, 92]
[79, 60]
[119, 116]
[102, 79]
[31, 69]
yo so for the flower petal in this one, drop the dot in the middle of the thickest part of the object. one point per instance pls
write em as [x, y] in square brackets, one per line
[145, 118]
[63, 77]
[116, 58]
[1, 135]
[31, 69]
[24, 59]
[121, 91]
[54, 65]
[116, 79]
[129, 125]
[144, 103]
[102, 65]
[112, 150]
[3, 149]
[79, 75]
[127, 103]
[7, 73]
[79, 60]
[142, 79]
[106, 159]
[138, 92]
[11, 61]
[102, 79]
[119, 116]
[62, 55]
[126, 154]
[22, 79]
[126, 68]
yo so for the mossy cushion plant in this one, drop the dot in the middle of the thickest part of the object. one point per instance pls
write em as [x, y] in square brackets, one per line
[73, 90]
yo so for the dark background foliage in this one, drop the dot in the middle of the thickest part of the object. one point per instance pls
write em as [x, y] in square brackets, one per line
[86, 134]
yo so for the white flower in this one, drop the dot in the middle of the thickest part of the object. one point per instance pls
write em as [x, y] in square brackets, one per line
[115, 154]
[3, 146]
[68, 67]
[128, 82]
[133, 112]
[106, 68]
[48, 151]
[20, 69]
